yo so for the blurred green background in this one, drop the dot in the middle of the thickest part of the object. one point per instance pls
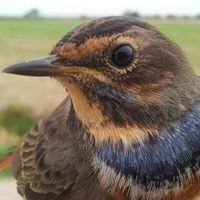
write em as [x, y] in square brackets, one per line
[24, 100]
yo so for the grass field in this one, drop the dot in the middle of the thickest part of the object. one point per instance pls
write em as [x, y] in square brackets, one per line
[22, 39]
[25, 39]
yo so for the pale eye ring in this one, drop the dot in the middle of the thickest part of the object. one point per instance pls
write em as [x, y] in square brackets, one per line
[123, 55]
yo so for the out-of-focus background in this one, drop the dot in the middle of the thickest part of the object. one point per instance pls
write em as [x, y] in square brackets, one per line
[29, 28]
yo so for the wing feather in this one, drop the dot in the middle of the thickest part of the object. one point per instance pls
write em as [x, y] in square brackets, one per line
[39, 165]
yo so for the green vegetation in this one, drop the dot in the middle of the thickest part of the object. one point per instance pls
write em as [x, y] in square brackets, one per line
[21, 39]
[16, 120]
[6, 173]
[3, 152]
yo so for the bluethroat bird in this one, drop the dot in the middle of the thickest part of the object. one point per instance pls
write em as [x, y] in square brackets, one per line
[129, 128]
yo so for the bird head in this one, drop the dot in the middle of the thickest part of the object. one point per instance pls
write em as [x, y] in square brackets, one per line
[122, 75]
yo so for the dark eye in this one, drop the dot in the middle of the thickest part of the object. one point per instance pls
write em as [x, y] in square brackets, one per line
[123, 55]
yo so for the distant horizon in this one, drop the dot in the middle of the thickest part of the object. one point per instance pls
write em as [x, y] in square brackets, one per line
[75, 8]
[95, 16]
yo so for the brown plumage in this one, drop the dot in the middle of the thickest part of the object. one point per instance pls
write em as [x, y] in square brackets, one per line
[130, 127]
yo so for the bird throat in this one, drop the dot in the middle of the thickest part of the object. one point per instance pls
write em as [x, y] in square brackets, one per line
[99, 126]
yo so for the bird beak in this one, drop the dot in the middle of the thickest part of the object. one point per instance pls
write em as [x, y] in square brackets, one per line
[52, 65]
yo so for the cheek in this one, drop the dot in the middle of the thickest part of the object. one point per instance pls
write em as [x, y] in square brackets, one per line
[146, 76]
[116, 76]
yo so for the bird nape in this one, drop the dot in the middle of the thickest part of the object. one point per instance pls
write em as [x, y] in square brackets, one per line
[130, 126]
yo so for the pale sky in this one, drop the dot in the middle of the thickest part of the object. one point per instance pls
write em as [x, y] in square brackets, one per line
[100, 7]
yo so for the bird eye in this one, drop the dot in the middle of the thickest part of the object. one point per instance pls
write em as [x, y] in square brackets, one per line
[123, 55]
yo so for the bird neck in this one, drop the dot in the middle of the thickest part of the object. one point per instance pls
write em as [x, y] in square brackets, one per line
[109, 112]
[167, 160]
[98, 124]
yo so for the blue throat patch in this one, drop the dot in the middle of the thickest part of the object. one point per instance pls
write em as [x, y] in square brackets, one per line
[164, 157]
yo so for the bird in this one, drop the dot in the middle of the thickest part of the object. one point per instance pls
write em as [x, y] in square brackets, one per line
[129, 127]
